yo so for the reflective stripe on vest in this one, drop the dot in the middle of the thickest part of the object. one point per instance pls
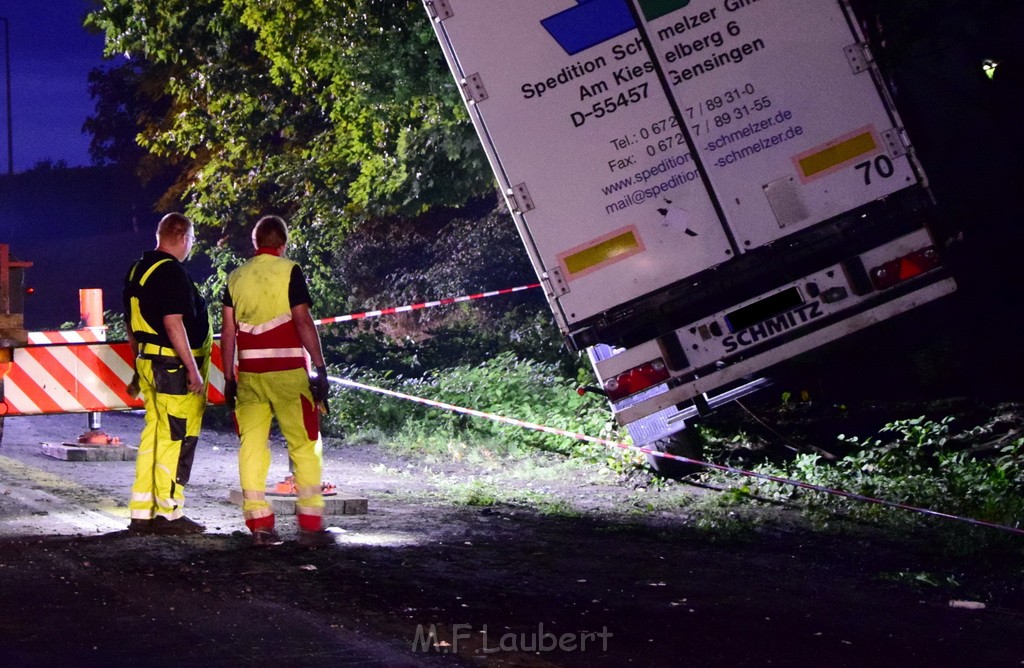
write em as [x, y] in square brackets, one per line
[267, 337]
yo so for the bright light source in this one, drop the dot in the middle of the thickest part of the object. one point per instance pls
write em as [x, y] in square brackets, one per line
[989, 67]
[380, 539]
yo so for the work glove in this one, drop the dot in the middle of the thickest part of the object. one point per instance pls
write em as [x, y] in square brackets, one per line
[230, 392]
[132, 388]
[320, 388]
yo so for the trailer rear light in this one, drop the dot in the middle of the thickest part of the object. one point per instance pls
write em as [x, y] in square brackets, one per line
[636, 379]
[901, 269]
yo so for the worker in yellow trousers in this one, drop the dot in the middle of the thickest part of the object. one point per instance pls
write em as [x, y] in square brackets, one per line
[267, 321]
[169, 332]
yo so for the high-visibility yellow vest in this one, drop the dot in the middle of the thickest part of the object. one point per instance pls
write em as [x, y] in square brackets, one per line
[149, 340]
[141, 330]
[267, 337]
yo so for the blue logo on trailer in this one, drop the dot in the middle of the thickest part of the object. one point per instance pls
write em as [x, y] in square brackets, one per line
[589, 23]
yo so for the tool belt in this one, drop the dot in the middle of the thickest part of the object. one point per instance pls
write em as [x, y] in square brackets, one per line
[148, 351]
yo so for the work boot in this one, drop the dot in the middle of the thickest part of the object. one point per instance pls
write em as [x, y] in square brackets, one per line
[314, 539]
[265, 538]
[140, 526]
[179, 527]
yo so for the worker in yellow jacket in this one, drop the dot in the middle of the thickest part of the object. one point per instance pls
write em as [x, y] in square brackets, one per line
[169, 333]
[267, 321]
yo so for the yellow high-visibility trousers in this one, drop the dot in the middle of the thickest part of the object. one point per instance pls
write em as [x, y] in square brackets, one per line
[286, 396]
[169, 437]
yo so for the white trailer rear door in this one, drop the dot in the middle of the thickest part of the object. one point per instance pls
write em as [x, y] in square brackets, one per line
[568, 104]
[785, 115]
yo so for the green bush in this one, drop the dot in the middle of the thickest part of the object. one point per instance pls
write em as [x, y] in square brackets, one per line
[525, 389]
[912, 462]
[524, 329]
[114, 320]
[355, 412]
[505, 385]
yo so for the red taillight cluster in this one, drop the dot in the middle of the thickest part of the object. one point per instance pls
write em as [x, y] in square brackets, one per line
[636, 379]
[906, 267]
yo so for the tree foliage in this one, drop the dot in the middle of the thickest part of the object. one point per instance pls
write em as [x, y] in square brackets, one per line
[119, 112]
[923, 29]
[327, 111]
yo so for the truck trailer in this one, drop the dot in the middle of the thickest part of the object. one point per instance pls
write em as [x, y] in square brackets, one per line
[705, 188]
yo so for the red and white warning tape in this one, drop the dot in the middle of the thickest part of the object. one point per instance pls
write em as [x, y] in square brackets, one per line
[687, 460]
[72, 371]
[423, 305]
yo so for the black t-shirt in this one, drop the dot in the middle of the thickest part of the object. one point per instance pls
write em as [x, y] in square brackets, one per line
[298, 292]
[168, 291]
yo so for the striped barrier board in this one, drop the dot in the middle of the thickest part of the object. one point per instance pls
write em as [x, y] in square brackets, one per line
[80, 378]
[67, 336]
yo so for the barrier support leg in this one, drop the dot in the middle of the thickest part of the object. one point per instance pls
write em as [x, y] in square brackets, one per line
[90, 307]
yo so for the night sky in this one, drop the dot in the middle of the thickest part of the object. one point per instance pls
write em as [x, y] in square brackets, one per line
[51, 55]
[77, 218]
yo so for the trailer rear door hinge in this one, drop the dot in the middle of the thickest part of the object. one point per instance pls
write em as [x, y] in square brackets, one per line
[521, 200]
[859, 56]
[439, 9]
[554, 283]
[473, 88]
[897, 142]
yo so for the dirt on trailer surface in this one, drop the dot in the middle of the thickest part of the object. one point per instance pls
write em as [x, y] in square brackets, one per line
[422, 578]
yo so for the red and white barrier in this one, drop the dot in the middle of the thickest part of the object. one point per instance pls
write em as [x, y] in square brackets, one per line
[73, 377]
[94, 335]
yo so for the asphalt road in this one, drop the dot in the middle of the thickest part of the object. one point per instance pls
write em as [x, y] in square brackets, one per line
[422, 580]
[77, 589]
